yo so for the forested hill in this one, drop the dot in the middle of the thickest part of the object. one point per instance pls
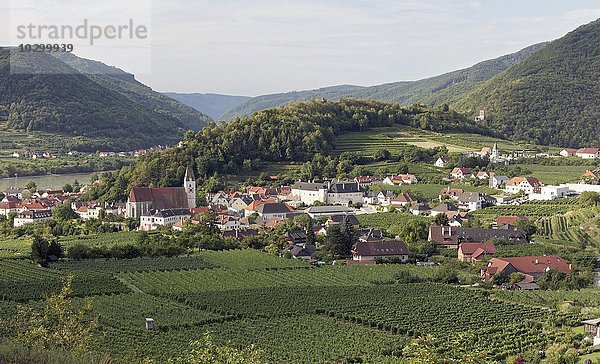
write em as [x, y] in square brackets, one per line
[111, 112]
[550, 98]
[431, 91]
[295, 132]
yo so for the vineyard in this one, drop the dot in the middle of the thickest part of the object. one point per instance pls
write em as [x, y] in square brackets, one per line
[531, 209]
[335, 314]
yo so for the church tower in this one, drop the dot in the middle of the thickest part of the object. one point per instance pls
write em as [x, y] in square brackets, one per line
[495, 152]
[189, 183]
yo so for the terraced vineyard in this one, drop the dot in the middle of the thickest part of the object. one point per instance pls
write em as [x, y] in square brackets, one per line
[531, 209]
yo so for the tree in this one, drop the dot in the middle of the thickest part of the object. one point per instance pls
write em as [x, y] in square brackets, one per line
[551, 279]
[39, 249]
[382, 154]
[59, 325]
[515, 277]
[207, 352]
[30, 186]
[414, 231]
[334, 241]
[441, 220]
[64, 212]
[589, 198]
[67, 188]
[348, 234]
[55, 249]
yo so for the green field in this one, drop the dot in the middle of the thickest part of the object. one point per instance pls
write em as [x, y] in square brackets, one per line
[341, 313]
[555, 175]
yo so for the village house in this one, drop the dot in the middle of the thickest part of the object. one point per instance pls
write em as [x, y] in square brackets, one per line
[420, 209]
[401, 179]
[337, 220]
[461, 173]
[228, 222]
[452, 237]
[508, 220]
[403, 199]
[370, 198]
[472, 201]
[370, 235]
[592, 328]
[443, 208]
[9, 207]
[384, 197]
[371, 252]
[547, 193]
[89, 212]
[303, 252]
[271, 210]
[590, 177]
[15, 192]
[530, 266]
[588, 153]
[528, 185]
[152, 219]
[143, 200]
[32, 216]
[442, 162]
[329, 193]
[296, 237]
[568, 152]
[484, 175]
[452, 193]
[496, 181]
[475, 252]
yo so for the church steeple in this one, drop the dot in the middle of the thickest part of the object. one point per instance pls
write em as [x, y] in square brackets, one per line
[189, 183]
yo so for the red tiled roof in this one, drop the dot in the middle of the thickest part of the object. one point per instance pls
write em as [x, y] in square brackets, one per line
[161, 198]
[471, 248]
[511, 220]
[531, 264]
[588, 150]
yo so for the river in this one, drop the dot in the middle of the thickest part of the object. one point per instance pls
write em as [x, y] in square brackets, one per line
[51, 181]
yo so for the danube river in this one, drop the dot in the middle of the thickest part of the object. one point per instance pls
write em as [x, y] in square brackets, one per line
[51, 181]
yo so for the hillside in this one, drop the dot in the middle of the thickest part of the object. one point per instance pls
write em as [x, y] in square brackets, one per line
[550, 98]
[432, 91]
[117, 112]
[213, 105]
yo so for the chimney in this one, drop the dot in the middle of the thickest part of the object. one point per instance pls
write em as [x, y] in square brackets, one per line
[537, 261]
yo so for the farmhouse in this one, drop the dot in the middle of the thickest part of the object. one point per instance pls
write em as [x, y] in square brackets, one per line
[401, 179]
[568, 152]
[152, 219]
[32, 216]
[588, 153]
[143, 200]
[362, 251]
[474, 252]
[452, 237]
[403, 199]
[461, 173]
[528, 185]
[530, 266]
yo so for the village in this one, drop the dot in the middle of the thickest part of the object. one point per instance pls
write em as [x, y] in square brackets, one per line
[242, 214]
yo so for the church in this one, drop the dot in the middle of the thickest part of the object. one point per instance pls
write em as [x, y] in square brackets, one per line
[143, 200]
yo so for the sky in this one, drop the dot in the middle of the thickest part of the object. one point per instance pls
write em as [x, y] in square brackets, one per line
[243, 47]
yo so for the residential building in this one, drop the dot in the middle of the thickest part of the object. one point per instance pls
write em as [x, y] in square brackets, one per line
[369, 180]
[420, 209]
[271, 210]
[370, 198]
[547, 193]
[401, 179]
[339, 219]
[472, 201]
[403, 199]
[451, 193]
[452, 237]
[303, 252]
[362, 251]
[296, 237]
[331, 192]
[32, 216]
[442, 162]
[8, 207]
[461, 173]
[509, 220]
[475, 252]
[530, 266]
[568, 152]
[370, 235]
[384, 197]
[15, 192]
[443, 208]
[152, 219]
[496, 181]
[588, 153]
[590, 177]
[528, 185]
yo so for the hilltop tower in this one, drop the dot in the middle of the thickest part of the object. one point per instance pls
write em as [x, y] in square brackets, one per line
[189, 184]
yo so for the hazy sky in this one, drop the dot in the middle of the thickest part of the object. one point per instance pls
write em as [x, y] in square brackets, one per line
[265, 46]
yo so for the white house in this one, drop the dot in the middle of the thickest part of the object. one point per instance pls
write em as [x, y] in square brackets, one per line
[528, 185]
[330, 192]
[271, 210]
[471, 201]
[32, 216]
[362, 251]
[496, 180]
[155, 218]
[568, 152]
[550, 193]
[588, 153]
[442, 162]
[401, 179]
[461, 173]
